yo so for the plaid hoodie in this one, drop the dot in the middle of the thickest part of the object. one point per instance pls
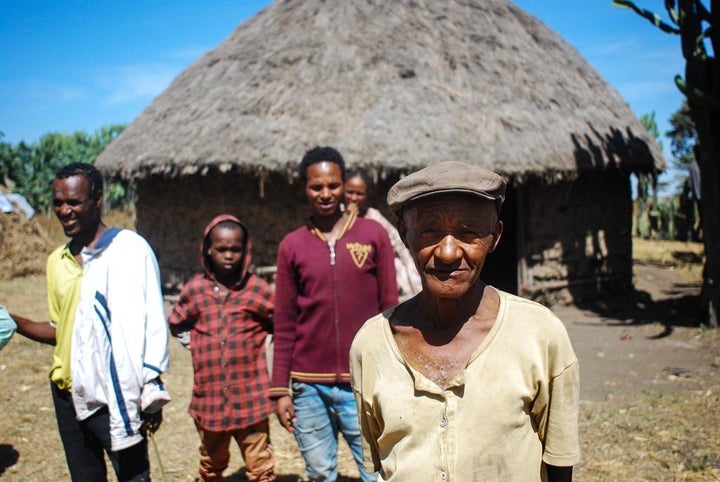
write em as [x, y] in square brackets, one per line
[227, 339]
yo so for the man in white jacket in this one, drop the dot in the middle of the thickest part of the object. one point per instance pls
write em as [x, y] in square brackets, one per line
[109, 331]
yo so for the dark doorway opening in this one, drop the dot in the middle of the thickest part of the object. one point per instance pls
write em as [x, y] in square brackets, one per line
[500, 268]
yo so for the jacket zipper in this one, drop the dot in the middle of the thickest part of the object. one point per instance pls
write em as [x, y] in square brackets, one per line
[331, 245]
[338, 371]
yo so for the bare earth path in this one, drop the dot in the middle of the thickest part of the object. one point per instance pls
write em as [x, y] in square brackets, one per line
[644, 340]
[650, 395]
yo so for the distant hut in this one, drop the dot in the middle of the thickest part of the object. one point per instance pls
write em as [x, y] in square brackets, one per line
[395, 86]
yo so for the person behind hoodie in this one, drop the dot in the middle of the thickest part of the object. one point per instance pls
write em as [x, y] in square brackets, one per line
[357, 188]
[227, 311]
[332, 274]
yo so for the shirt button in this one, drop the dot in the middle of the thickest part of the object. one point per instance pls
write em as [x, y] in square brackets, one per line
[443, 422]
[443, 475]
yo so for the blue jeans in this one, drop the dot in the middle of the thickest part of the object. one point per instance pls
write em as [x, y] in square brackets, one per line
[321, 411]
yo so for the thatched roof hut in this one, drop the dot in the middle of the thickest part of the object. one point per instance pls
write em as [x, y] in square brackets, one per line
[394, 86]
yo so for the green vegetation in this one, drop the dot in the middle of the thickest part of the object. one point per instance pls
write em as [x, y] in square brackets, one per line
[676, 217]
[646, 185]
[30, 168]
[683, 136]
[697, 26]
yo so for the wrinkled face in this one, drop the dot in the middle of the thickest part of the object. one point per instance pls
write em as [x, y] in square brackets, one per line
[449, 237]
[77, 212]
[324, 188]
[226, 250]
[356, 192]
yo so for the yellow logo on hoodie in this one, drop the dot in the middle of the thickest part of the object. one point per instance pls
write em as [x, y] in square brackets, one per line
[359, 253]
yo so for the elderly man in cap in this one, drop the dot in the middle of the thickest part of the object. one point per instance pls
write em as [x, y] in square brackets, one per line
[463, 382]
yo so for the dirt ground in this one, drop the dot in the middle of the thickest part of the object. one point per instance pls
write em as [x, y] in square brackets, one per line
[644, 340]
[650, 382]
[650, 394]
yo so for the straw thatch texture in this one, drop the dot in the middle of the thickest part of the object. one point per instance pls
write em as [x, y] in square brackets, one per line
[394, 85]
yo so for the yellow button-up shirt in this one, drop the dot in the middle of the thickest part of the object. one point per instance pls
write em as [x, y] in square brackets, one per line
[511, 410]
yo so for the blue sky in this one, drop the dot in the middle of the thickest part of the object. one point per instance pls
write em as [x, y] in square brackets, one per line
[69, 65]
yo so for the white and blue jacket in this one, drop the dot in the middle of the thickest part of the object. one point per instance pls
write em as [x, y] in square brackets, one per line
[120, 336]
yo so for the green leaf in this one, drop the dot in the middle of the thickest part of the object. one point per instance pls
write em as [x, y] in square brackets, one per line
[650, 16]
[695, 95]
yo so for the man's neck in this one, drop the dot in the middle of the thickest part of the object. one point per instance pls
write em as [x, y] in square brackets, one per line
[437, 337]
[478, 304]
[86, 241]
[330, 226]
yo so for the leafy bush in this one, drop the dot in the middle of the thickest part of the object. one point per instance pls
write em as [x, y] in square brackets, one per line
[31, 167]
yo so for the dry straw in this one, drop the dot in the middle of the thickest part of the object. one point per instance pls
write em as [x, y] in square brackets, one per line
[395, 86]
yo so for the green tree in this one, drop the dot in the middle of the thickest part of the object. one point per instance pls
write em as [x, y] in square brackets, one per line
[32, 167]
[683, 136]
[646, 184]
[684, 143]
[6, 152]
[697, 25]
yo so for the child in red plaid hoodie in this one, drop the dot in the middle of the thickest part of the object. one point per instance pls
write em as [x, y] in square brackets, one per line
[224, 316]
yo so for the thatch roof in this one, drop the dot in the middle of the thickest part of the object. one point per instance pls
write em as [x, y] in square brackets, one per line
[393, 85]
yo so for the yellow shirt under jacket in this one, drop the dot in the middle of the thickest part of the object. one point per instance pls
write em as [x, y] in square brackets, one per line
[64, 282]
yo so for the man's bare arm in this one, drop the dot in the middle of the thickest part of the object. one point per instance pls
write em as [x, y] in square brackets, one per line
[41, 331]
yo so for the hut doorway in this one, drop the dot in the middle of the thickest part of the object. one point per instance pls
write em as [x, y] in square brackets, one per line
[501, 266]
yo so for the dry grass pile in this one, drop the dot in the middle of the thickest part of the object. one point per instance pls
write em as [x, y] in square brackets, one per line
[24, 245]
[678, 254]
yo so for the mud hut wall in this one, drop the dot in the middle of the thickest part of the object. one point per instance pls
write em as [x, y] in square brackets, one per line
[578, 237]
[172, 214]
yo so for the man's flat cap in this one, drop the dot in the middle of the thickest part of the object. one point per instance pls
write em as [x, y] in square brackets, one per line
[445, 177]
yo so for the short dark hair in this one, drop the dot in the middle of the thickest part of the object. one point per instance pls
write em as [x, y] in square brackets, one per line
[88, 171]
[228, 224]
[356, 172]
[320, 154]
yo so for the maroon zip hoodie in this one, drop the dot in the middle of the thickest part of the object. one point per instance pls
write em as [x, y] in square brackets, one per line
[323, 295]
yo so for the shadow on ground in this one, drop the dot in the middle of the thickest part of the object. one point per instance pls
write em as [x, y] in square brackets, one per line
[240, 476]
[660, 296]
[8, 457]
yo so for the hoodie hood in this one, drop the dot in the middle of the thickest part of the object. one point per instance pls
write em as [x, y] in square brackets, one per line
[205, 260]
